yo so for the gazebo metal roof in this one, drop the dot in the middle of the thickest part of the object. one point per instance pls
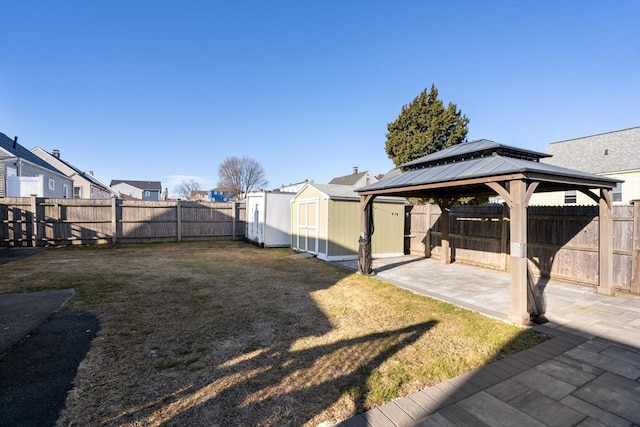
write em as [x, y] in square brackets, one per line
[464, 169]
[474, 149]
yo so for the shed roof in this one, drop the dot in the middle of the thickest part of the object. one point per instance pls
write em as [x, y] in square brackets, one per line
[346, 192]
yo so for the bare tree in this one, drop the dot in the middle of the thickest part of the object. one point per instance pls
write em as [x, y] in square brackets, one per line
[184, 188]
[241, 175]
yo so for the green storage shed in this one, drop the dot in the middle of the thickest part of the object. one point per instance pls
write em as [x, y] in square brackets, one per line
[325, 221]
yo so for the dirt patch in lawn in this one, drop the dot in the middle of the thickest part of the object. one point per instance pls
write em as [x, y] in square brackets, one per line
[224, 333]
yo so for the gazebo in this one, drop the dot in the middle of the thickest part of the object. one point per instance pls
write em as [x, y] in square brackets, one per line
[487, 168]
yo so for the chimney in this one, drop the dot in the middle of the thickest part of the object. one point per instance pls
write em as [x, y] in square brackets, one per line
[56, 154]
[15, 141]
[355, 170]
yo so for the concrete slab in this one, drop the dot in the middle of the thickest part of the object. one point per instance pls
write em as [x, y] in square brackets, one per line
[619, 404]
[495, 412]
[21, 313]
[547, 410]
[602, 416]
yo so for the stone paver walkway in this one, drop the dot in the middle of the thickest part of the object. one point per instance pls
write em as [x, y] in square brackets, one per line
[588, 374]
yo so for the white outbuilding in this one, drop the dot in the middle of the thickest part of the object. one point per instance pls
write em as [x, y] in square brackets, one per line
[269, 218]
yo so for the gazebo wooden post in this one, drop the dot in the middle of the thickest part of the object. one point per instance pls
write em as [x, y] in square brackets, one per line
[445, 209]
[605, 248]
[518, 249]
[364, 251]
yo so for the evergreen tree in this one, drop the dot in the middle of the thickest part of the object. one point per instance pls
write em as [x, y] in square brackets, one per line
[423, 127]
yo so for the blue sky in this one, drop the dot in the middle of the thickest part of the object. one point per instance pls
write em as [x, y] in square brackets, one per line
[165, 90]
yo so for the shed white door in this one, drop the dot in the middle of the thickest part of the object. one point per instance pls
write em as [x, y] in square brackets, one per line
[307, 226]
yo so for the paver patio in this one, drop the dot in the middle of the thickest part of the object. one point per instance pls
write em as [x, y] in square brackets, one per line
[588, 374]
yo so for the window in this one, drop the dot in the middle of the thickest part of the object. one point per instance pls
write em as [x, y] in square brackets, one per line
[77, 192]
[570, 197]
[52, 185]
[65, 191]
[617, 192]
[368, 181]
[147, 193]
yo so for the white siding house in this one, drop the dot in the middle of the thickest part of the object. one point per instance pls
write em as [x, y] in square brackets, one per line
[143, 190]
[23, 174]
[85, 185]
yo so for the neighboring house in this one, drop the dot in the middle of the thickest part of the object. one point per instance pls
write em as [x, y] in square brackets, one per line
[220, 195]
[144, 190]
[612, 154]
[356, 179]
[22, 173]
[199, 196]
[325, 221]
[292, 188]
[85, 185]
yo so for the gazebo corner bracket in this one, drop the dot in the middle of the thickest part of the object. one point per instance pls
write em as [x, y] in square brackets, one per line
[502, 192]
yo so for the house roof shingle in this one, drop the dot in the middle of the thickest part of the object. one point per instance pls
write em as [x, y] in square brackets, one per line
[615, 151]
[143, 185]
[95, 181]
[350, 179]
[6, 143]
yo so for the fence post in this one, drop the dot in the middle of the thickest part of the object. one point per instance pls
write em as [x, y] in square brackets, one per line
[504, 240]
[114, 219]
[234, 210]
[635, 250]
[34, 220]
[179, 219]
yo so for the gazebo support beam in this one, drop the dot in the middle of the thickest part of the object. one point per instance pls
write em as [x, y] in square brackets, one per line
[518, 312]
[605, 276]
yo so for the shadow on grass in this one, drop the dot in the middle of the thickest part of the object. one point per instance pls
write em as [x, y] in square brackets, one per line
[277, 385]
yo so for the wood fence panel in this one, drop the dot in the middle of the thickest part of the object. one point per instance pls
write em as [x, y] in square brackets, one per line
[87, 221]
[563, 241]
[74, 221]
[418, 230]
[16, 222]
[635, 252]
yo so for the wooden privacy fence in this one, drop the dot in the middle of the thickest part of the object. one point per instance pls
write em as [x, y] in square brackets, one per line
[562, 240]
[39, 221]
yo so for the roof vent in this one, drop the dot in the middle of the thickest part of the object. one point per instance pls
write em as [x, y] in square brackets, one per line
[56, 154]
[15, 141]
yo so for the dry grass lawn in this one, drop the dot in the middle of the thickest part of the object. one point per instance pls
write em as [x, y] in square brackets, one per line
[224, 333]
